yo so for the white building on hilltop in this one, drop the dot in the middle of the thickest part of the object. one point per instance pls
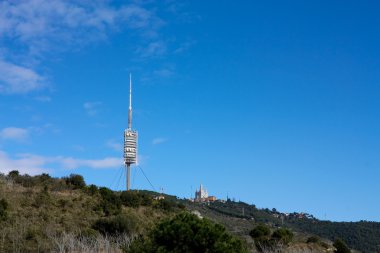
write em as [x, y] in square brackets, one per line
[201, 195]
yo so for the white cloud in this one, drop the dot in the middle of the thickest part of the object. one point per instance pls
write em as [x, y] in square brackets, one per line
[40, 28]
[155, 48]
[73, 163]
[17, 79]
[35, 164]
[14, 133]
[43, 22]
[25, 164]
[158, 140]
[92, 108]
[114, 145]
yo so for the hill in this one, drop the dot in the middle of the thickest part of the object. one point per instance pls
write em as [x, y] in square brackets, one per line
[239, 217]
[45, 214]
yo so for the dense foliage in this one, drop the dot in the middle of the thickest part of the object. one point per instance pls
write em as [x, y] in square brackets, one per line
[77, 181]
[341, 247]
[265, 240]
[362, 235]
[120, 224]
[188, 233]
[3, 209]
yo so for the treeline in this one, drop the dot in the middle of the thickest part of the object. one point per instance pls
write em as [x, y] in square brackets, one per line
[363, 235]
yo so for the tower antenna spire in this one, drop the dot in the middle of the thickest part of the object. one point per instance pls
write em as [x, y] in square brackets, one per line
[130, 103]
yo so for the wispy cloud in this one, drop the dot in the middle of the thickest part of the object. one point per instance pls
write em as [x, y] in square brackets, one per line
[29, 164]
[92, 108]
[42, 22]
[117, 146]
[43, 99]
[153, 49]
[39, 28]
[14, 134]
[34, 164]
[17, 79]
[73, 163]
[184, 47]
[159, 140]
[165, 72]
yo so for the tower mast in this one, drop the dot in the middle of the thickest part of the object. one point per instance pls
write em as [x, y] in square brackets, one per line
[129, 128]
[130, 140]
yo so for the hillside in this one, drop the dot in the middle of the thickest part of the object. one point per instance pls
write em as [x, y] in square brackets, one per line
[45, 214]
[239, 217]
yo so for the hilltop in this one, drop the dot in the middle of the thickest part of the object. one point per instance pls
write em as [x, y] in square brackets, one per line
[45, 214]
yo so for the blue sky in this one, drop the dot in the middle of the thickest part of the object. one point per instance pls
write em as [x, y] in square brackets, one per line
[269, 102]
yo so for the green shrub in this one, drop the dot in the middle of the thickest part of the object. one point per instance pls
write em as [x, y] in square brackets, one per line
[187, 233]
[116, 225]
[135, 199]
[13, 174]
[129, 198]
[259, 231]
[3, 209]
[341, 246]
[283, 234]
[92, 189]
[165, 205]
[110, 203]
[76, 181]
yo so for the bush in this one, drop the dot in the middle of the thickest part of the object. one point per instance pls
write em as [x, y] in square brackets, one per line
[283, 234]
[116, 225]
[13, 174]
[130, 199]
[260, 231]
[75, 180]
[135, 199]
[3, 209]
[264, 241]
[110, 203]
[187, 233]
[165, 205]
[92, 189]
[341, 246]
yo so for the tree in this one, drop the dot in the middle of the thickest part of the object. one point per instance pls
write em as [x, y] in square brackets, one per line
[261, 235]
[13, 174]
[283, 235]
[116, 225]
[110, 202]
[75, 180]
[341, 246]
[260, 231]
[188, 233]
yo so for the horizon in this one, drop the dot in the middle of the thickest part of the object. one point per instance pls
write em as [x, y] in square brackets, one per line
[274, 104]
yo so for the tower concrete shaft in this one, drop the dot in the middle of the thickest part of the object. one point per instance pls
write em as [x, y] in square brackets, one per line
[128, 176]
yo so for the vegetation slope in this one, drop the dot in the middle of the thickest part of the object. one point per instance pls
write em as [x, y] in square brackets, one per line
[45, 214]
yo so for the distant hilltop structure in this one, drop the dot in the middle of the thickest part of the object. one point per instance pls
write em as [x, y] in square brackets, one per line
[202, 195]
